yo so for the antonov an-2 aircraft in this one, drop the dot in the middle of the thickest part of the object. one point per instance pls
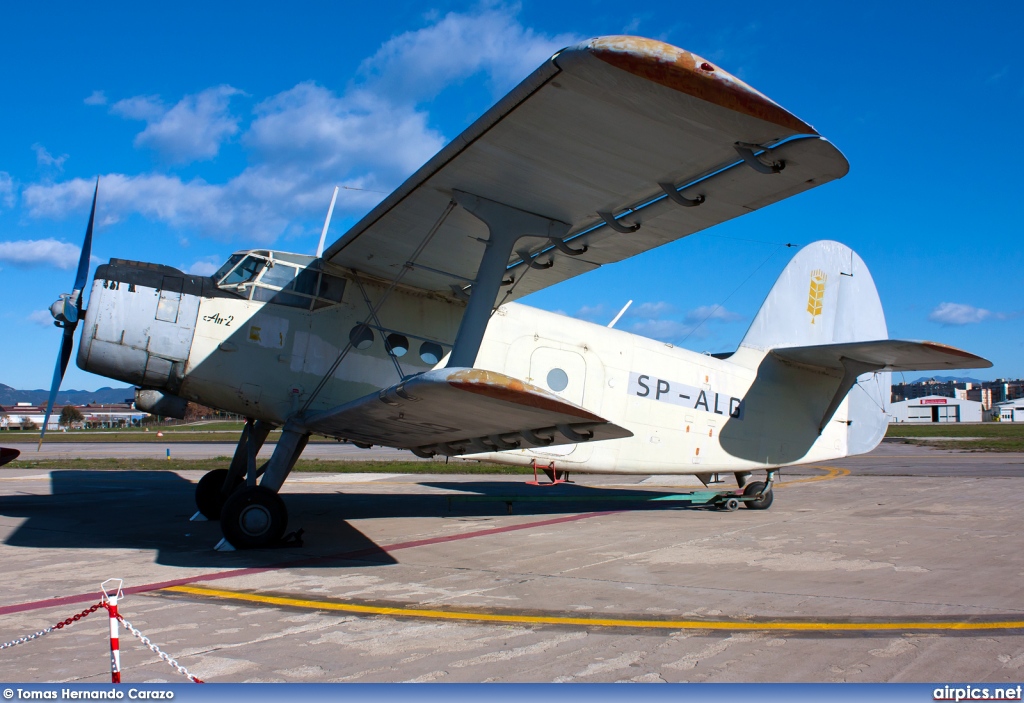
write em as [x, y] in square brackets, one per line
[404, 332]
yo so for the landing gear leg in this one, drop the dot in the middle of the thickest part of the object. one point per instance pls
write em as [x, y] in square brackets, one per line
[254, 516]
[215, 487]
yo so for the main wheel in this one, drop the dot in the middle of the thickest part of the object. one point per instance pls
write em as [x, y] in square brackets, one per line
[253, 517]
[752, 489]
[210, 494]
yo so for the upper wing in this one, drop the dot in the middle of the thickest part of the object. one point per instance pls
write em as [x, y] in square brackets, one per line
[596, 129]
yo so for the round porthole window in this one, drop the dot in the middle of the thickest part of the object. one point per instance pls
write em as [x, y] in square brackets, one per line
[431, 352]
[361, 337]
[558, 380]
[397, 344]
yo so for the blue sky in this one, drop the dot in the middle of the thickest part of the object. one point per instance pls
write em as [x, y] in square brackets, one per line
[221, 126]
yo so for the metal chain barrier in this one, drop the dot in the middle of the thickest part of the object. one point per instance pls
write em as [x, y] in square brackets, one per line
[59, 626]
[156, 650]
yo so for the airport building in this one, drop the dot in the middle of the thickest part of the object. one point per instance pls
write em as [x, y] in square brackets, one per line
[1010, 410]
[936, 408]
[26, 415]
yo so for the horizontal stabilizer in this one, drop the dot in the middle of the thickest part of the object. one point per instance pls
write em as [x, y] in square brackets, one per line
[462, 411]
[852, 359]
[884, 355]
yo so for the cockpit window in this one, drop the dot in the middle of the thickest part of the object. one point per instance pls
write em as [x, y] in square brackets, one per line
[245, 271]
[223, 271]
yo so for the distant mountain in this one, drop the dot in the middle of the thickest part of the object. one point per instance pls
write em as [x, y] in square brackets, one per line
[946, 379]
[10, 396]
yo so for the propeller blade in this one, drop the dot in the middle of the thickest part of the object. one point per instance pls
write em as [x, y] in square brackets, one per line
[66, 344]
[72, 313]
[83, 259]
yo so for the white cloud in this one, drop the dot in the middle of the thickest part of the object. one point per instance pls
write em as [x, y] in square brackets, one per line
[7, 189]
[958, 314]
[39, 252]
[47, 161]
[655, 310]
[309, 127]
[418, 64]
[661, 320]
[41, 317]
[142, 107]
[206, 266]
[232, 209]
[594, 313]
[712, 312]
[305, 140]
[663, 330]
[98, 97]
[193, 129]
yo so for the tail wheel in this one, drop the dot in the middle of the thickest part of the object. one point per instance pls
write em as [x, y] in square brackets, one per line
[210, 493]
[253, 517]
[752, 489]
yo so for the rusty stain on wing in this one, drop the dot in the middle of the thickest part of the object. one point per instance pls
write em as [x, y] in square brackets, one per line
[686, 72]
[501, 387]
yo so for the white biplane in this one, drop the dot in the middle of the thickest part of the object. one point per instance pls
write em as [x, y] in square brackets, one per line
[404, 332]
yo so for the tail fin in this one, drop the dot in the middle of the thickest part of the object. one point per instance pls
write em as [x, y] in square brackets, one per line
[824, 296]
[827, 296]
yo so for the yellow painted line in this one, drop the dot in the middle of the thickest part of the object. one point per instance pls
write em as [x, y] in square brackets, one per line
[778, 625]
[833, 473]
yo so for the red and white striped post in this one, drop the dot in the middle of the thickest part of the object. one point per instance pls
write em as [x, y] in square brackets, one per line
[115, 646]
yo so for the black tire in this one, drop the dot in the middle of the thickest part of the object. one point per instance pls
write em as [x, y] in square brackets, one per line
[752, 489]
[253, 517]
[210, 493]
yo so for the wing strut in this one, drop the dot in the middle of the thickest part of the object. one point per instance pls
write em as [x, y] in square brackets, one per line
[507, 225]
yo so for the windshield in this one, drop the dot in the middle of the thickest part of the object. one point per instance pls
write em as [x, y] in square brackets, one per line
[223, 270]
[245, 271]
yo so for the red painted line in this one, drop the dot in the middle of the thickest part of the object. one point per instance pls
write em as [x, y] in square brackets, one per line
[297, 563]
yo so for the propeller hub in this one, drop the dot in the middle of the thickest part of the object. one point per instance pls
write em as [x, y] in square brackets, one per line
[63, 310]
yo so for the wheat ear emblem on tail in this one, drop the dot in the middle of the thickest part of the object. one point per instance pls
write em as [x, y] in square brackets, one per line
[816, 294]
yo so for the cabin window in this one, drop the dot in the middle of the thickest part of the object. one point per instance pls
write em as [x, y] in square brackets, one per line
[431, 352]
[279, 275]
[331, 288]
[361, 337]
[397, 344]
[305, 282]
[279, 297]
[558, 380]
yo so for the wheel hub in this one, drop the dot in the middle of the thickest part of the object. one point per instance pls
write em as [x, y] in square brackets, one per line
[254, 520]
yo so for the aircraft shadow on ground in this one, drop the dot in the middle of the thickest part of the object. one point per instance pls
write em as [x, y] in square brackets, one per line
[149, 510]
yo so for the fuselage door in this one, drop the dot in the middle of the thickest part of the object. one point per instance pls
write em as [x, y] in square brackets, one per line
[563, 373]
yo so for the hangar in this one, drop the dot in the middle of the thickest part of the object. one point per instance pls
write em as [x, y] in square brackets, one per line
[937, 408]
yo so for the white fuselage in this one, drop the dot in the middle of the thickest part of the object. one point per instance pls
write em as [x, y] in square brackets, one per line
[689, 413]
